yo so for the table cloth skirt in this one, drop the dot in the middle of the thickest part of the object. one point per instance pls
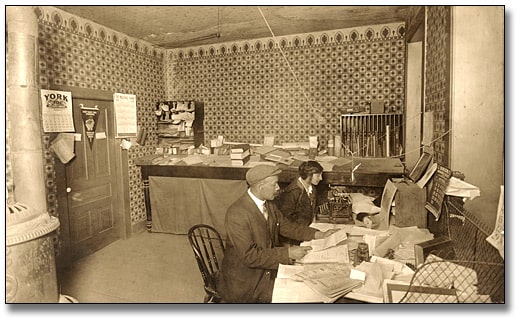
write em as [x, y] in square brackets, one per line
[179, 203]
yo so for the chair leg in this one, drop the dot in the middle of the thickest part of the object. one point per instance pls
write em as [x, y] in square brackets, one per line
[211, 299]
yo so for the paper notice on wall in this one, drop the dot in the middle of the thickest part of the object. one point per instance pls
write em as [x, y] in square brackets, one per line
[63, 147]
[57, 111]
[125, 106]
[497, 237]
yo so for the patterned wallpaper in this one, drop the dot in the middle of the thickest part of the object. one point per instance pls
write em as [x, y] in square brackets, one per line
[437, 74]
[80, 53]
[252, 88]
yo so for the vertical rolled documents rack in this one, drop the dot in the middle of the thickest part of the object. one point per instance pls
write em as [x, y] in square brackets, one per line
[372, 135]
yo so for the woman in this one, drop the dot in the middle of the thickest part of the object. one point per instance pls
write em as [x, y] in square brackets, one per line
[298, 200]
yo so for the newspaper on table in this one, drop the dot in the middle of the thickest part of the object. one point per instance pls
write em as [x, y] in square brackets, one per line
[324, 243]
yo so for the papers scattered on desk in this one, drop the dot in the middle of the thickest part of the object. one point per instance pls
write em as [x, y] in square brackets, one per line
[319, 283]
[326, 226]
[341, 161]
[289, 291]
[331, 280]
[192, 160]
[295, 146]
[321, 271]
[337, 254]
[361, 231]
[333, 286]
[327, 250]
[375, 274]
[460, 188]
[331, 241]
[264, 149]
[287, 271]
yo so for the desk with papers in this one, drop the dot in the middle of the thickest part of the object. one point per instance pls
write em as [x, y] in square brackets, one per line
[183, 190]
[330, 270]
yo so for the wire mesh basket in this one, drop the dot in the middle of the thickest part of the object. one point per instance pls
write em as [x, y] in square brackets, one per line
[456, 281]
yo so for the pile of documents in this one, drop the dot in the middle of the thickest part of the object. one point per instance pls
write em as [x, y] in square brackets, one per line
[327, 250]
[331, 280]
[313, 283]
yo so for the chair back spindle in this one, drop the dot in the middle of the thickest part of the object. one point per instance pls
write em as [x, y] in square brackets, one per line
[208, 247]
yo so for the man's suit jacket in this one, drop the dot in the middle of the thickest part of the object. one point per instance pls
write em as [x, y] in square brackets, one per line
[251, 257]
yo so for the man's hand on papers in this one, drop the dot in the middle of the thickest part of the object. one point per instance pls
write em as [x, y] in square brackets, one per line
[298, 252]
[321, 234]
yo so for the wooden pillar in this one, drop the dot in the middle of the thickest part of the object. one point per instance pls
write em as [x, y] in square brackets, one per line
[23, 111]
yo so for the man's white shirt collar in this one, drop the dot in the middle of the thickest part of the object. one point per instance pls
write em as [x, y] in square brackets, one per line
[259, 203]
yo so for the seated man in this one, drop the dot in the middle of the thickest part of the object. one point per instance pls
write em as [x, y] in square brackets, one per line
[252, 224]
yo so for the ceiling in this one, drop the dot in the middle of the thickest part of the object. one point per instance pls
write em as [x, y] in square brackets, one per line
[181, 26]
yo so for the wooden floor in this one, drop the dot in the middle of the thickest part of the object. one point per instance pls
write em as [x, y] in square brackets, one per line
[146, 268]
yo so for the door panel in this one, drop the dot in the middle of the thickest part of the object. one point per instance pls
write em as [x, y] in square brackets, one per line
[94, 220]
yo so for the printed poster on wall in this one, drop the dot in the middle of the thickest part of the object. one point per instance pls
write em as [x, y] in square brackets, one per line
[90, 118]
[125, 106]
[57, 111]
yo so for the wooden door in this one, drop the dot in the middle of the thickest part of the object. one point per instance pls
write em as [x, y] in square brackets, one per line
[93, 216]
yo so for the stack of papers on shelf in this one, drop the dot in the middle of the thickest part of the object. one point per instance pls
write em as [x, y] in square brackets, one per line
[264, 149]
[192, 160]
[295, 146]
[279, 156]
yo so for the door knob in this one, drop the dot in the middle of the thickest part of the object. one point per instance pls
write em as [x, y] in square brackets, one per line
[69, 189]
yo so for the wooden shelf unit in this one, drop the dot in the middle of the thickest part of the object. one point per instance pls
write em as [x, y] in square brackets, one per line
[171, 124]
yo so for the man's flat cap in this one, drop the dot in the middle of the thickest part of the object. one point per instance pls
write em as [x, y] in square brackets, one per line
[261, 172]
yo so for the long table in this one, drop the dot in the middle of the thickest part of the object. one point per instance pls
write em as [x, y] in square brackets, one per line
[178, 196]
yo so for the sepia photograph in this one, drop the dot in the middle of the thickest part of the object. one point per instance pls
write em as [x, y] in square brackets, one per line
[254, 154]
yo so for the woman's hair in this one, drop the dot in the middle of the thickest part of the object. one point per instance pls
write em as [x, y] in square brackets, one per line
[308, 168]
